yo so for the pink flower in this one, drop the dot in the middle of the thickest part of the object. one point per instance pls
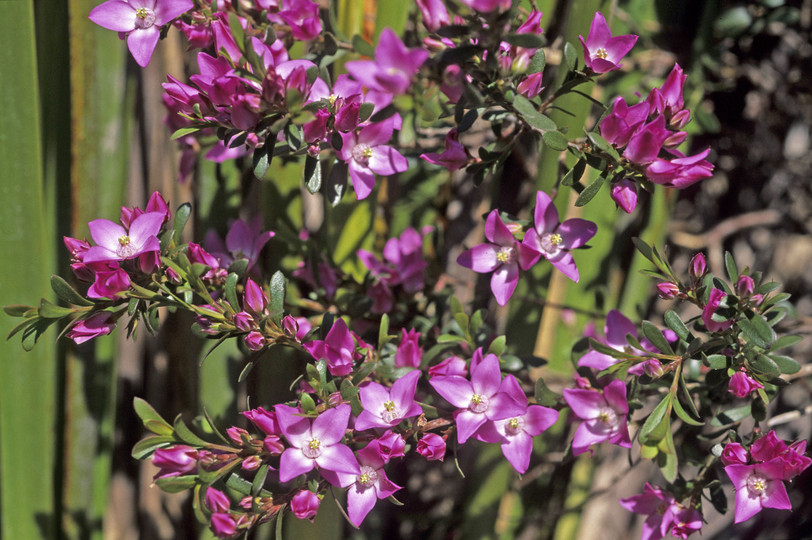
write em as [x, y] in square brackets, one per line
[264, 420]
[175, 460]
[624, 193]
[741, 384]
[668, 98]
[619, 126]
[367, 155]
[455, 155]
[714, 321]
[385, 408]
[485, 397]
[338, 349]
[486, 6]
[553, 239]
[734, 454]
[664, 514]
[303, 18]
[602, 52]
[449, 366]
[434, 14]
[110, 279]
[316, 443]
[223, 524]
[646, 142]
[516, 434]
[408, 353]
[391, 445]
[140, 21]
[617, 327]
[680, 172]
[503, 256]
[432, 447]
[98, 324]
[393, 67]
[758, 486]
[305, 504]
[216, 500]
[243, 241]
[531, 86]
[603, 414]
[114, 243]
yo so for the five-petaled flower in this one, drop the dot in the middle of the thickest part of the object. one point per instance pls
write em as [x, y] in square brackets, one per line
[603, 414]
[602, 52]
[140, 21]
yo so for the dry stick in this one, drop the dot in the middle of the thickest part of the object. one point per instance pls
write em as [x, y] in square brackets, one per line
[787, 417]
[713, 238]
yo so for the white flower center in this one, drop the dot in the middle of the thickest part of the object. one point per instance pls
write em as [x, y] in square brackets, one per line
[757, 484]
[390, 411]
[506, 255]
[125, 249]
[550, 242]
[144, 17]
[361, 153]
[479, 403]
[368, 476]
[607, 416]
[312, 449]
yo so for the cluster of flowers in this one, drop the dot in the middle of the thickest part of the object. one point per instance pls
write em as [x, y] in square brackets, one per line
[345, 428]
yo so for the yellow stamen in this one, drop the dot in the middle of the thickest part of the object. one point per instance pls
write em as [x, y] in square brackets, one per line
[555, 239]
[389, 405]
[601, 53]
[142, 13]
[124, 241]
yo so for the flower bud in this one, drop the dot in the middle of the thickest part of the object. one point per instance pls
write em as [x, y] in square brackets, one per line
[223, 525]
[305, 504]
[698, 267]
[247, 502]
[431, 446]
[244, 321]
[254, 298]
[409, 353]
[217, 501]
[745, 286]
[273, 445]
[391, 445]
[734, 454]
[236, 435]
[624, 193]
[254, 341]
[264, 420]
[251, 463]
[741, 384]
[175, 460]
[334, 400]
[667, 290]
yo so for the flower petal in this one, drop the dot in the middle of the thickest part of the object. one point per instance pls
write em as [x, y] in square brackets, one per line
[115, 15]
[481, 258]
[294, 463]
[576, 232]
[504, 281]
[142, 43]
[454, 389]
[329, 427]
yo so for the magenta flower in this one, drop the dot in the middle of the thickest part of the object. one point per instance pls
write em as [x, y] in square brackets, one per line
[713, 321]
[741, 384]
[432, 447]
[216, 500]
[617, 327]
[554, 239]
[140, 21]
[110, 279]
[503, 256]
[531, 86]
[303, 18]
[175, 460]
[792, 457]
[409, 353]
[391, 445]
[758, 486]
[664, 514]
[486, 6]
[602, 52]
[619, 126]
[516, 434]
[668, 99]
[449, 366]
[243, 241]
[647, 142]
[434, 14]
[264, 420]
[603, 414]
[223, 524]
[114, 243]
[624, 193]
[393, 67]
[305, 504]
[385, 408]
[316, 444]
[485, 397]
[367, 154]
[338, 349]
[455, 155]
[680, 172]
[98, 324]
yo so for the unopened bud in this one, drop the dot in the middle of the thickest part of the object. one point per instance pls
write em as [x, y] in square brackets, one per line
[667, 290]
[698, 267]
[745, 286]
[251, 463]
[335, 399]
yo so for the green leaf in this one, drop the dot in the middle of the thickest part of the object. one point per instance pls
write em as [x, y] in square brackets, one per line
[545, 396]
[656, 425]
[528, 41]
[277, 290]
[182, 132]
[603, 144]
[158, 428]
[308, 405]
[717, 361]
[362, 372]
[644, 249]
[756, 329]
[717, 496]
[531, 115]
[237, 31]
[176, 484]
[182, 215]
[656, 337]
[259, 480]
[336, 183]
[787, 365]
[312, 173]
[730, 267]
[765, 365]
[590, 191]
[263, 155]
[570, 56]
[49, 310]
[383, 331]
[186, 435]
[785, 341]
[574, 175]
[34, 331]
[67, 293]
[673, 321]
[146, 413]
[731, 416]
[667, 458]
[146, 447]
[497, 346]
[537, 62]
[17, 310]
[555, 140]
[606, 349]
[362, 46]
[230, 290]
[683, 415]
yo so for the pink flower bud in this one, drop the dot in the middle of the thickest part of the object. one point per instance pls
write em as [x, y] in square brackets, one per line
[264, 420]
[667, 290]
[175, 460]
[305, 504]
[236, 435]
[431, 446]
[172, 276]
[244, 321]
[408, 353]
[216, 500]
[251, 463]
[734, 454]
[223, 525]
[334, 399]
[157, 203]
[247, 502]
[624, 193]
[290, 326]
[254, 298]
[273, 445]
[449, 366]
[254, 341]
[391, 445]
[100, 324]
[741, 384]
[698, 267]
[745, 286]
